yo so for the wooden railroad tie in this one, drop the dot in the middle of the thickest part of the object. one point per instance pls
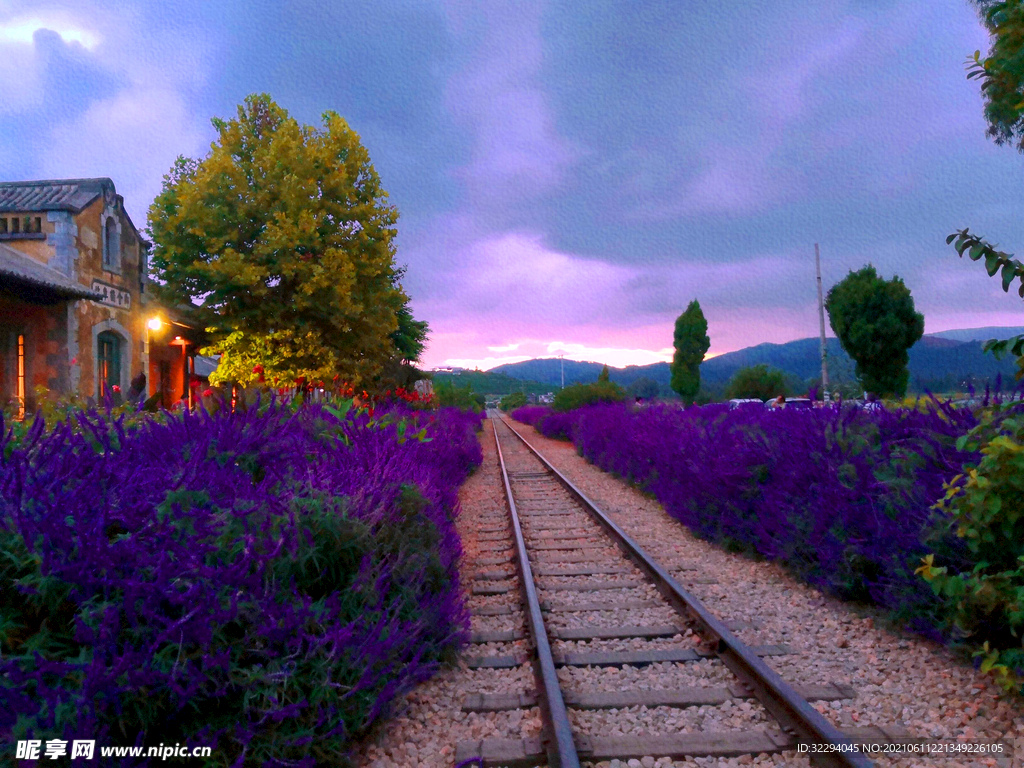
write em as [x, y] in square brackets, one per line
[526, 753]
[493, 589]
[614, 658]
[495, 546]
[679, 698]
[590, 570]
[579, 633]
[590, 586]
[501, 535]
[627, 605]
[554, 558]
[501, 560]
[492, 575]
[571, 545]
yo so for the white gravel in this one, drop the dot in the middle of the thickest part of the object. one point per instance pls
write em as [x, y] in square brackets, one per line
[429, 722]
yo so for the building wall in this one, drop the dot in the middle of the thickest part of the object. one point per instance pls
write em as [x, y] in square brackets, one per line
[73, 244]
[94, 317]
[44, 327]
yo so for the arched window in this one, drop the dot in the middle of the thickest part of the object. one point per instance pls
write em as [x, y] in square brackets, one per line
[108, 360]
[111, 245]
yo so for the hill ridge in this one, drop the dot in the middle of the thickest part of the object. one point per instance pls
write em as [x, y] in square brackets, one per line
[941, 361]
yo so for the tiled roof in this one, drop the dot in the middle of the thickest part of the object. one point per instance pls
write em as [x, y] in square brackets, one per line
[53, 195]
[16, 267]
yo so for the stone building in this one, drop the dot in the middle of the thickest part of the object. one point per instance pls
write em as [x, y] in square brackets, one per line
[74, 314]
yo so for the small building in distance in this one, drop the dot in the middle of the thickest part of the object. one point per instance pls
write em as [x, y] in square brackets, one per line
[73, 315]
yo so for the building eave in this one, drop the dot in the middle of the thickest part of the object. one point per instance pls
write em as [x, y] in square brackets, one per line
[17, 268]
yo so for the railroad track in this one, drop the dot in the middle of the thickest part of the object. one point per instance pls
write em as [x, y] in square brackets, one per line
[575, 571]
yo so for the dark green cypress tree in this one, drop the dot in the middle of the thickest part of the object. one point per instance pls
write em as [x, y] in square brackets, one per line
[691, 343]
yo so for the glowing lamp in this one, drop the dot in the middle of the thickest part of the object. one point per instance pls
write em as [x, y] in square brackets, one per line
[154, 323]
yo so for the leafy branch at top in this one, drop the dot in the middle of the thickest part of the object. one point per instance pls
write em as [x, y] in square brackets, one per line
[1010, 269]
[1001, 72]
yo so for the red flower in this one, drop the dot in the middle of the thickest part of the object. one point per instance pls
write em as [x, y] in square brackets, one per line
[208, 393]
[370, 411]
[257, 369]
[193, 381]
[116, 389]
[300, 381]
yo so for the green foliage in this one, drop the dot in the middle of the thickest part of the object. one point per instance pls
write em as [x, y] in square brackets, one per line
[757, 381]
[511, 402]
[282, 239]
[691, 343]
[876, 323]
[1001, 73]
[643, 388]
[579, 395]
[410, 335]
[1009, 269]
[493, 383]
[604, 375]
[986, 504]
[398, 373]
[459, 397]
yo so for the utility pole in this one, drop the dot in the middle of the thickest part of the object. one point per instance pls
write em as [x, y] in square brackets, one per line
[821, 321]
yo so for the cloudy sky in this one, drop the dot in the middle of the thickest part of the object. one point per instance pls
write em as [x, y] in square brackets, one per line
[569, 175]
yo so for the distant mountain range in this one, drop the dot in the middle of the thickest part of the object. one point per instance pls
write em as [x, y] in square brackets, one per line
[941, 361]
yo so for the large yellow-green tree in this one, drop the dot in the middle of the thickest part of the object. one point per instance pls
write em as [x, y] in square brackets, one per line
[281, 242]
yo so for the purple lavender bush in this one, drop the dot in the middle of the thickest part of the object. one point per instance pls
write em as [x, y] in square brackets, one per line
[265, 582]
[558, 424]
[530, 414]
[844, 497]
[553, 424]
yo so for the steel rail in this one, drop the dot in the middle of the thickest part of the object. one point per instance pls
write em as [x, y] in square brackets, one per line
[558, 741]
[797, 717]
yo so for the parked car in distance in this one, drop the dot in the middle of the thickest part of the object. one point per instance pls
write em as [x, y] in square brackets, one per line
[799, 402]
[736, 402]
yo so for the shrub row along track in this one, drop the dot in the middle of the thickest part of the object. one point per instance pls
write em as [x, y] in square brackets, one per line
[569, 563]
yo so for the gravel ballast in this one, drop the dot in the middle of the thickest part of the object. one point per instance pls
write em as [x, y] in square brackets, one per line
[898, 679]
